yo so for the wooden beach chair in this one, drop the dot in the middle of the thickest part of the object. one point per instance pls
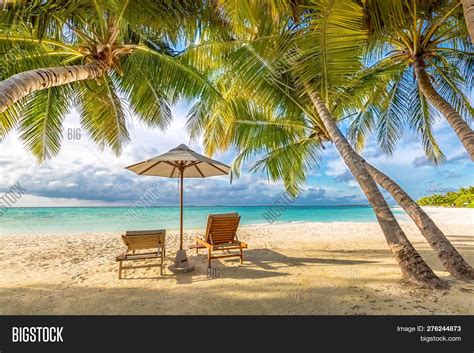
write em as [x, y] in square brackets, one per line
[143, 240]
[221, 235]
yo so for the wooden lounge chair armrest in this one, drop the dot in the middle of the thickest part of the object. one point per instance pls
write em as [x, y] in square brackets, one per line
[243, 245]
[203, 243]
[121, 256]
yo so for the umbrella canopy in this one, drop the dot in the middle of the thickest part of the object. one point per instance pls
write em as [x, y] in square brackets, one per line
[180, 162]
[169, 165]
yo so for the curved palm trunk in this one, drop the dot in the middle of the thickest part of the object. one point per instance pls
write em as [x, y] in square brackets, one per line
[460, 126]
[468, 7]
[412, 265]
[20, 85]
[447, 253]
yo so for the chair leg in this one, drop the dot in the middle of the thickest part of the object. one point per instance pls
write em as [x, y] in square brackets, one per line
[161, 267]
[241, 256]
[209, 259]
[120, 269]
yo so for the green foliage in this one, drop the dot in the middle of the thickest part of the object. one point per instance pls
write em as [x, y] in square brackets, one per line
[464, 197]
[259, 55]
[404, 32]
[262, 74]
[41, 126]
[330, 47]
[135, 38]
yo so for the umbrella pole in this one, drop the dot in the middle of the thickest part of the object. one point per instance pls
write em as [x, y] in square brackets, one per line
[181, 210]
[181, 263]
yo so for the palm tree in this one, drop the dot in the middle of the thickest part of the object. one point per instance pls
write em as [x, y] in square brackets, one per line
[425, 60]
[326, 53]
[105, 58]
[468, 7]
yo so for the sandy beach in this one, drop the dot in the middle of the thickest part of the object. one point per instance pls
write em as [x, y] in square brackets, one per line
[292, 268]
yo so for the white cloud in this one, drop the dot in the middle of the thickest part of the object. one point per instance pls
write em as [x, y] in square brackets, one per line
[335, 167]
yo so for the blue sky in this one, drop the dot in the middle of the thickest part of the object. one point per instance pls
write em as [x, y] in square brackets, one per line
[83, 175]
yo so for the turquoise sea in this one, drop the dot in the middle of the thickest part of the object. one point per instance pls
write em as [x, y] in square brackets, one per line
[26, 220]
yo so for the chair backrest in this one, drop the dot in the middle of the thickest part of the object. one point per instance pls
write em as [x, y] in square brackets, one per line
[222, 228]
[140, 240]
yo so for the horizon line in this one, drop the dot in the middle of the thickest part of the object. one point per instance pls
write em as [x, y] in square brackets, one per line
[265, 205]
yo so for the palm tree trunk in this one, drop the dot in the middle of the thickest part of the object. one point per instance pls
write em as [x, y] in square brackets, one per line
[412, 265]
[460, 126]
[447, 253]
[468, 7]
[20, 85]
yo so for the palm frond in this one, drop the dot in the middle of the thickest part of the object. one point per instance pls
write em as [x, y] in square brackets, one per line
[9, 120]
[145, 94]
[40, 126]
[102, 113]
[180, 79]
[392, 117]
[449, 84]
[330, 45]
[422, 119]
[290, 163]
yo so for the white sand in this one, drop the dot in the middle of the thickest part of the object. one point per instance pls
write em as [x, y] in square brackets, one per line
[446, 216]
[296, 268]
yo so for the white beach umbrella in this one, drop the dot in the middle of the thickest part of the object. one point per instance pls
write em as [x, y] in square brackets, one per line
[180, 162]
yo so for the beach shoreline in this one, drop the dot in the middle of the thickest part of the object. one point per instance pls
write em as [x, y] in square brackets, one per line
[62, 220]
[443, 214]
[290, 268]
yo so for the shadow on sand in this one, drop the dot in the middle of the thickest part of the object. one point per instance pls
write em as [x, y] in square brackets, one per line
[266, 283]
